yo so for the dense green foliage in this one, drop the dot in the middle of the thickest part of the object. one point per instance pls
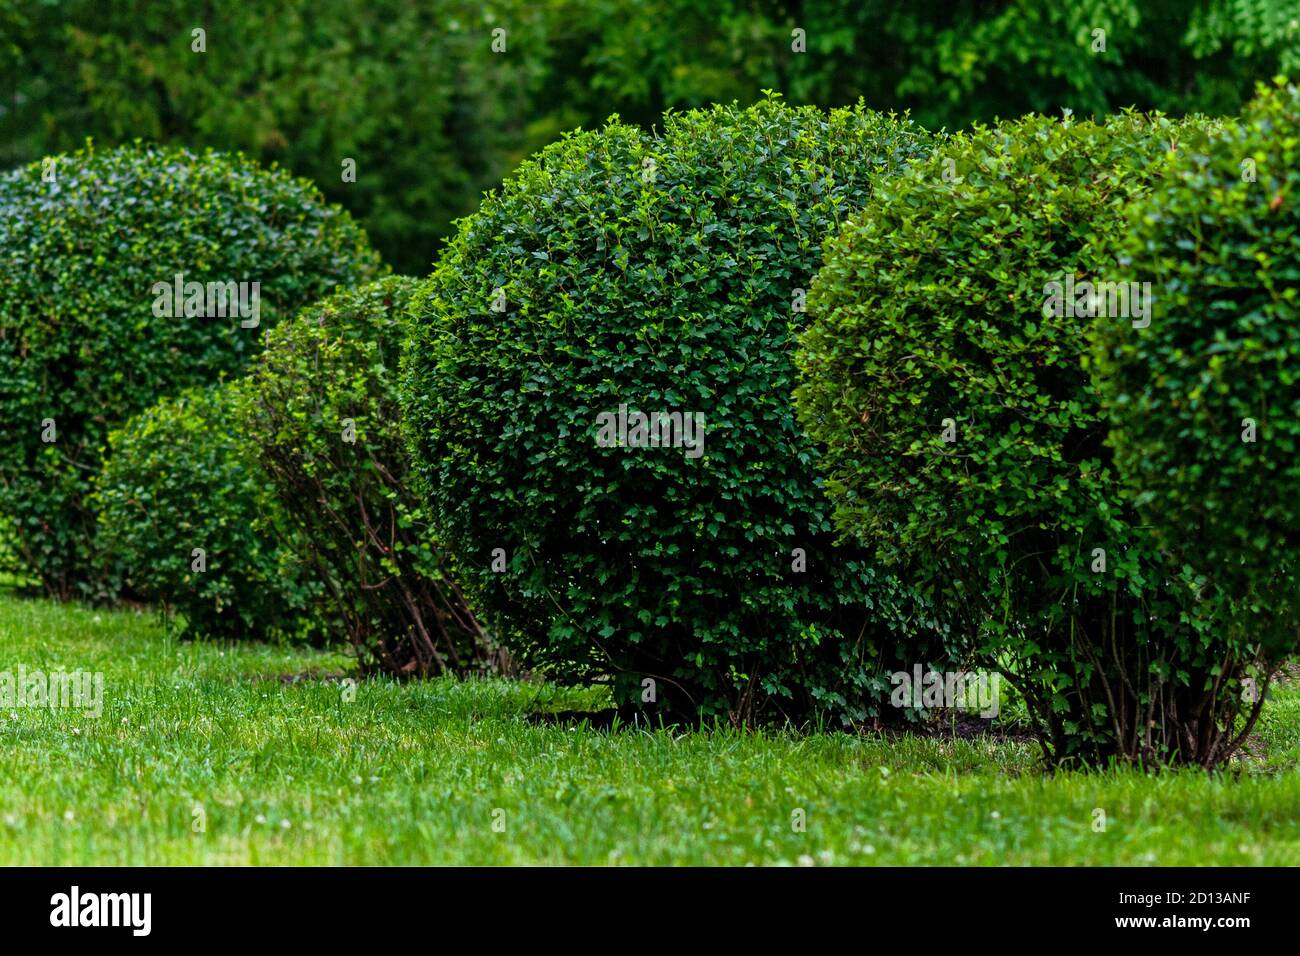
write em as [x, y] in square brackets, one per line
[662, 273]
[1206, 400]
[413, 91]
[414, 96]
[965, 442]
[185, 520]
[320, 413]
[85, 339]
[1101, 509]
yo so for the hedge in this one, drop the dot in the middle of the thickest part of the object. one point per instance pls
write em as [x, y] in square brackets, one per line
[946, 375]
[320, 412]
[91, 245]
[185, 520]
[1205, 400]
[623, 272]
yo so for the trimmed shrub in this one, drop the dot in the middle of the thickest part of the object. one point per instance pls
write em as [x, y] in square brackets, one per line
[622, 273]
[1205, 400]
[320, 409]
[186, 522]
[945, 373]
[90, 244]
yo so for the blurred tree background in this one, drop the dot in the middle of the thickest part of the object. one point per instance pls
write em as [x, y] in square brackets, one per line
[413, 91]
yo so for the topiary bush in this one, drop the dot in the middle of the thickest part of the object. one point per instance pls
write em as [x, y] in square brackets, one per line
[320, 409]
[90, 247]
[1205, 400]
[185, 521]
[946, 375]
[655, 273]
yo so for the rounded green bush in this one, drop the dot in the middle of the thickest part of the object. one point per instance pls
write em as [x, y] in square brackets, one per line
[320, 411]
[622, 272]
[89, 245]
[945, 373]
[1205, 400]
[185, 520]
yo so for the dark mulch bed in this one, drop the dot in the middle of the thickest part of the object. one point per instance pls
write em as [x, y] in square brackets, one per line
[959, 727]
[627, 717]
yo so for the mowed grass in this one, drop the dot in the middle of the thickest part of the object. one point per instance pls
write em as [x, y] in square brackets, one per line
[204, 755]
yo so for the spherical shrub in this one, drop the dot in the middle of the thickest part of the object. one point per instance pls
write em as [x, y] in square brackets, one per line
[185, 521]
[94, 249]
[622, 274]
[1205, 399]
[945, 374]
[320, 411]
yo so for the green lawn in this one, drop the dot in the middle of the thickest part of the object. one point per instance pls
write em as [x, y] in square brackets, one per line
[294, 773]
